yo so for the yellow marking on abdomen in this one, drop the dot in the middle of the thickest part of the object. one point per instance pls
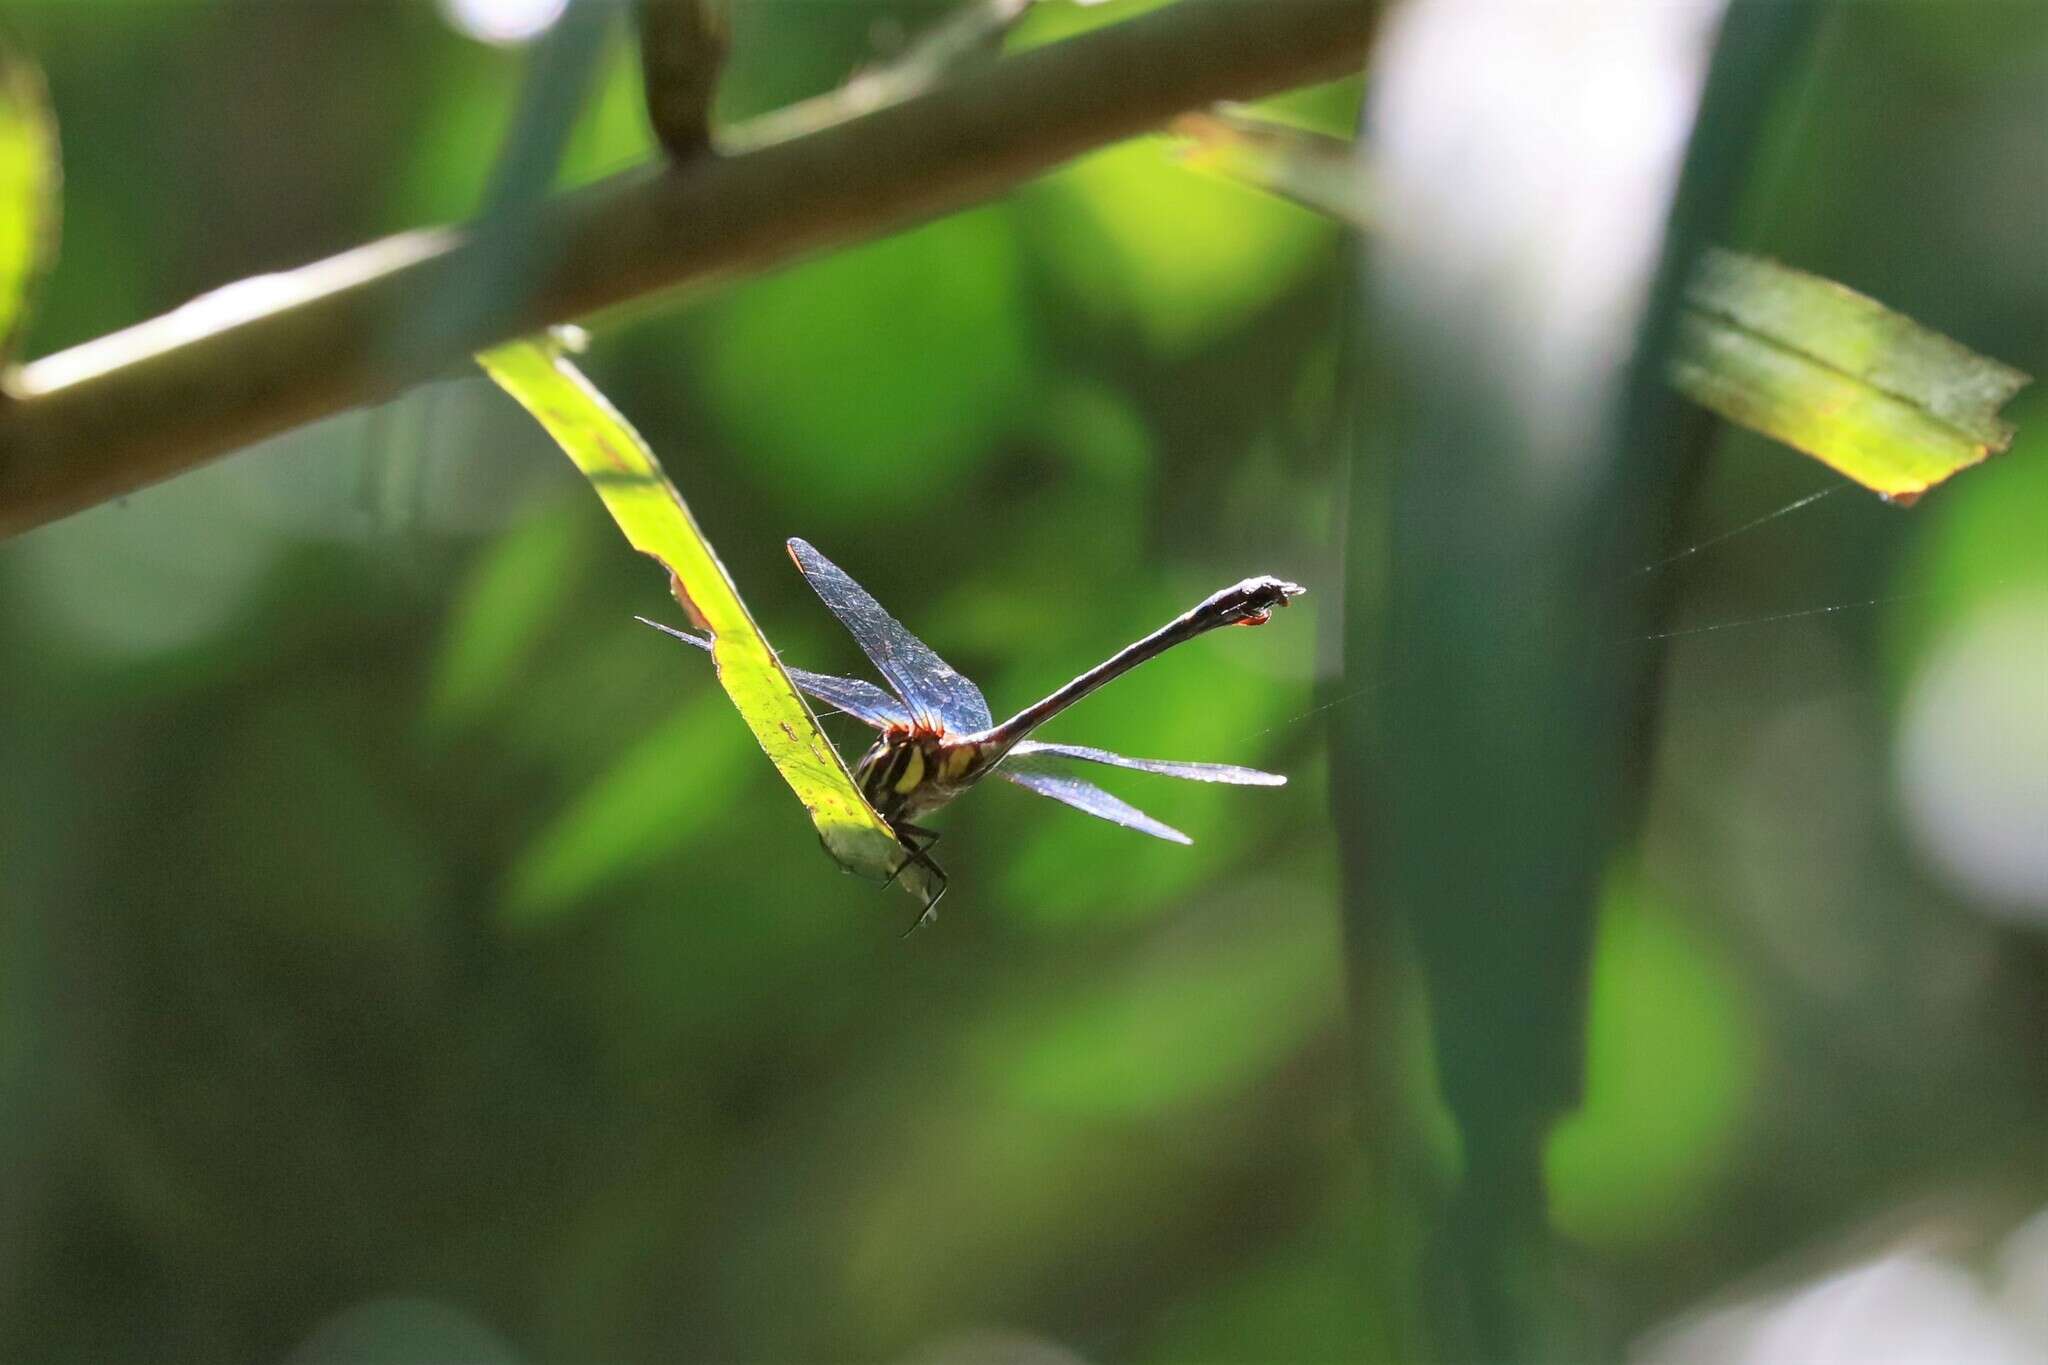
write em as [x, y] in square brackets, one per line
[913, 773]
[957, 761]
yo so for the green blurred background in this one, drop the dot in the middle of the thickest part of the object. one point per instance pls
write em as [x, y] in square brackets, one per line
[408, 957]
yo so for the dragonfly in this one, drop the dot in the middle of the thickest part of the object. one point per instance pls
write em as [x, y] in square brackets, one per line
[937, 736]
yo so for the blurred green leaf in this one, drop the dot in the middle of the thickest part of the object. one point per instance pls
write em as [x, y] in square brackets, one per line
[1893, 405]
[876, 376]
[1185, 258]
[612, 133]
[1099, 431]
[1514, 456]
[343, 860]
[1672, 1058]
[629, 817]
[186, 554]
[1187, 1024]
[654, 519]
[29, 177]
[1300, 1305]
[516, 588]
[467, 109]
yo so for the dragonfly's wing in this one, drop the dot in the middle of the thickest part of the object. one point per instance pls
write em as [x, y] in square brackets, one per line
[1093, 799]
[862, 700]
[1194, 772]
[938, 697]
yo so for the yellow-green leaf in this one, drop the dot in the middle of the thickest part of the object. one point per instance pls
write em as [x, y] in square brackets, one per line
[1893, 405]
[28, 189]
[654, 519]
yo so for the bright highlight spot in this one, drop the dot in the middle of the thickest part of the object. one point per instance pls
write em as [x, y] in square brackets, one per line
[1907, 1307]
[1973, 751]
[503, 22]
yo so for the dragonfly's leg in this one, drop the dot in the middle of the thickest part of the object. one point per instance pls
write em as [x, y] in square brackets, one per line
[930, 836]
[908, 835]
[931, 907]
[919, 858]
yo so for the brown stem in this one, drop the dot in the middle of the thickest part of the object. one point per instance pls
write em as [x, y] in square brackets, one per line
[155, 400]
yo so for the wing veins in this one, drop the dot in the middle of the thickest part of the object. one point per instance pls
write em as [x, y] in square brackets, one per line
[1193, 772]
[935, 692]
[1086, 796]
[857, 697]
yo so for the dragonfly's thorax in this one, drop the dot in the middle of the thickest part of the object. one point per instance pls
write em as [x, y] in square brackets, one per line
[909, 772]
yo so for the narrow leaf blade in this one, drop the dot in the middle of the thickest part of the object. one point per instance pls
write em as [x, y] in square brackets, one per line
[654, 519]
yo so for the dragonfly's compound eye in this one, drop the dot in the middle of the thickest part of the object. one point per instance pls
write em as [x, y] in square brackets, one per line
[1261, 596]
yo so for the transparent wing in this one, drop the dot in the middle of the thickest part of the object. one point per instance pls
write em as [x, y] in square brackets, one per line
[862, 700]
[1193, 772]
[938, 697]
[1093, 799]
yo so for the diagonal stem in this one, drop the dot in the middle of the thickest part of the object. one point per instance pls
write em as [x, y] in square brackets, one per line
[88, 424]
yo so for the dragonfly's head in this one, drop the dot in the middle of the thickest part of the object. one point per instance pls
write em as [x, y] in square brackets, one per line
[908, 772]
[1252, 602]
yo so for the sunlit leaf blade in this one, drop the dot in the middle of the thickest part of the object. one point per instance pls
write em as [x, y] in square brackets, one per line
[1801, 359]
[1086, 796]
[1193, 772]
[857, 697]
[1891, 404]
[623, 821]
[28, 189]
[655, 521]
